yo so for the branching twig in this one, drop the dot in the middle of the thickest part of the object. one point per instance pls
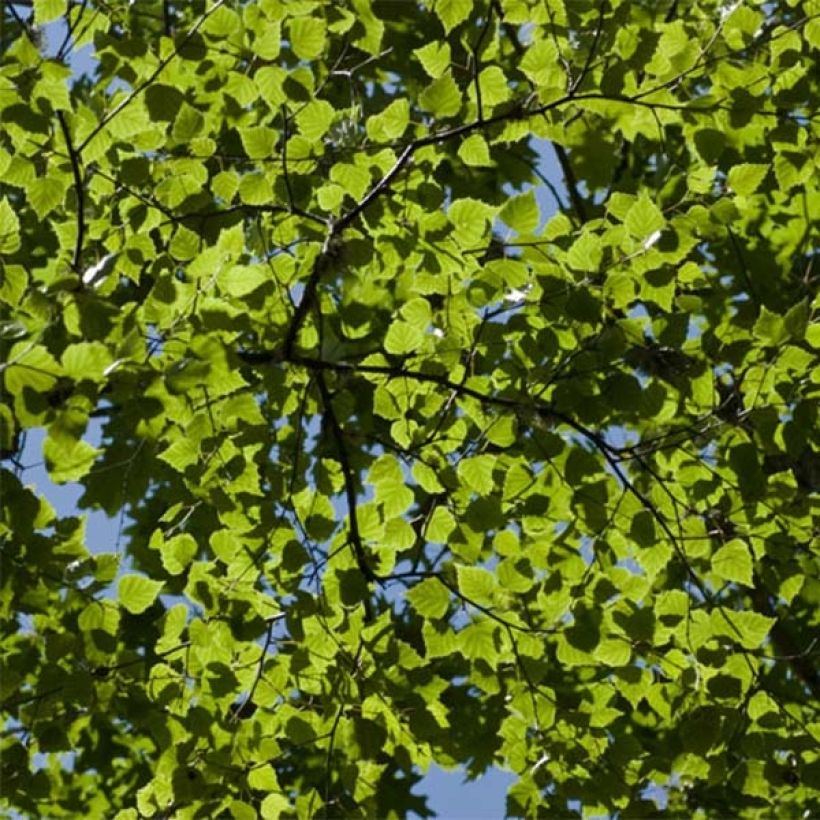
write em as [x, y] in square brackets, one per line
[609, 452]
[150, 78]
[261, 665]
[71, 27]
[576, 84]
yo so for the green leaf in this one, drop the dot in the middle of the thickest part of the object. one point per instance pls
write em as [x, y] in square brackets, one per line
[136, 593]
[240, 810]
[430, 598]
[541, 64]
[811, 31]
[442, 97]
[417, 313]
[453, 12]
[474, 152]
[274, 805]
[613, 652]
[493, 84]
[477, 641]
[267, 40]
[222, 22]
[263, 778]
[45, 11]
[471, 218]
[259, 142]
[391, 491]
[762, 704]
[426, 478]
[9, 228]
[68, 459]
[255, 189]
[733, 562]
[181, 454]
[745, 178]
[749, 629]
[307, 37]
[403, 338]
[477, 473]
[644, 218]
[440, 526]
[178, 552]
[796, 320]
[46, 193]
[241, 280]
[270, 80]
[434, 58]
[391, 123]
[521, 213]
[30, 366]
[477, 584]
[315, 119]
[99, 615]
[585, 254]
[86, 361]
[770, 327]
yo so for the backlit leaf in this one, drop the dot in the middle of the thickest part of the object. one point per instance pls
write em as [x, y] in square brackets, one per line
[307, 37]
[136, 593]
[734, 563]
[453, 12]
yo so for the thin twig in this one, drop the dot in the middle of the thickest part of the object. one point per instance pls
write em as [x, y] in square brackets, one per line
[261, 665]
[592, 50]
[150, 78]
[70, 29]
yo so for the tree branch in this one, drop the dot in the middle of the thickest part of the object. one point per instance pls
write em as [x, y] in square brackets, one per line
[150, 78]
[79, 187]
[350, 486]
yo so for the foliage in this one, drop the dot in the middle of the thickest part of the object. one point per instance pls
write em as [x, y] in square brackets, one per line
[407, 471]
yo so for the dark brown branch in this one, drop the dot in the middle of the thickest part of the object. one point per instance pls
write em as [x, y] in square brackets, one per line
[571, 181]
[349, 476]
[332, 737]
[488, 611]
[167, 18]
[561, 154]
[24, 24]
[79, 188]
[477, 62]
[379, 188]
[320, 265]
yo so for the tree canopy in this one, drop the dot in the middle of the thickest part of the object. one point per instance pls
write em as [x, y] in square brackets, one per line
[419, 454]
